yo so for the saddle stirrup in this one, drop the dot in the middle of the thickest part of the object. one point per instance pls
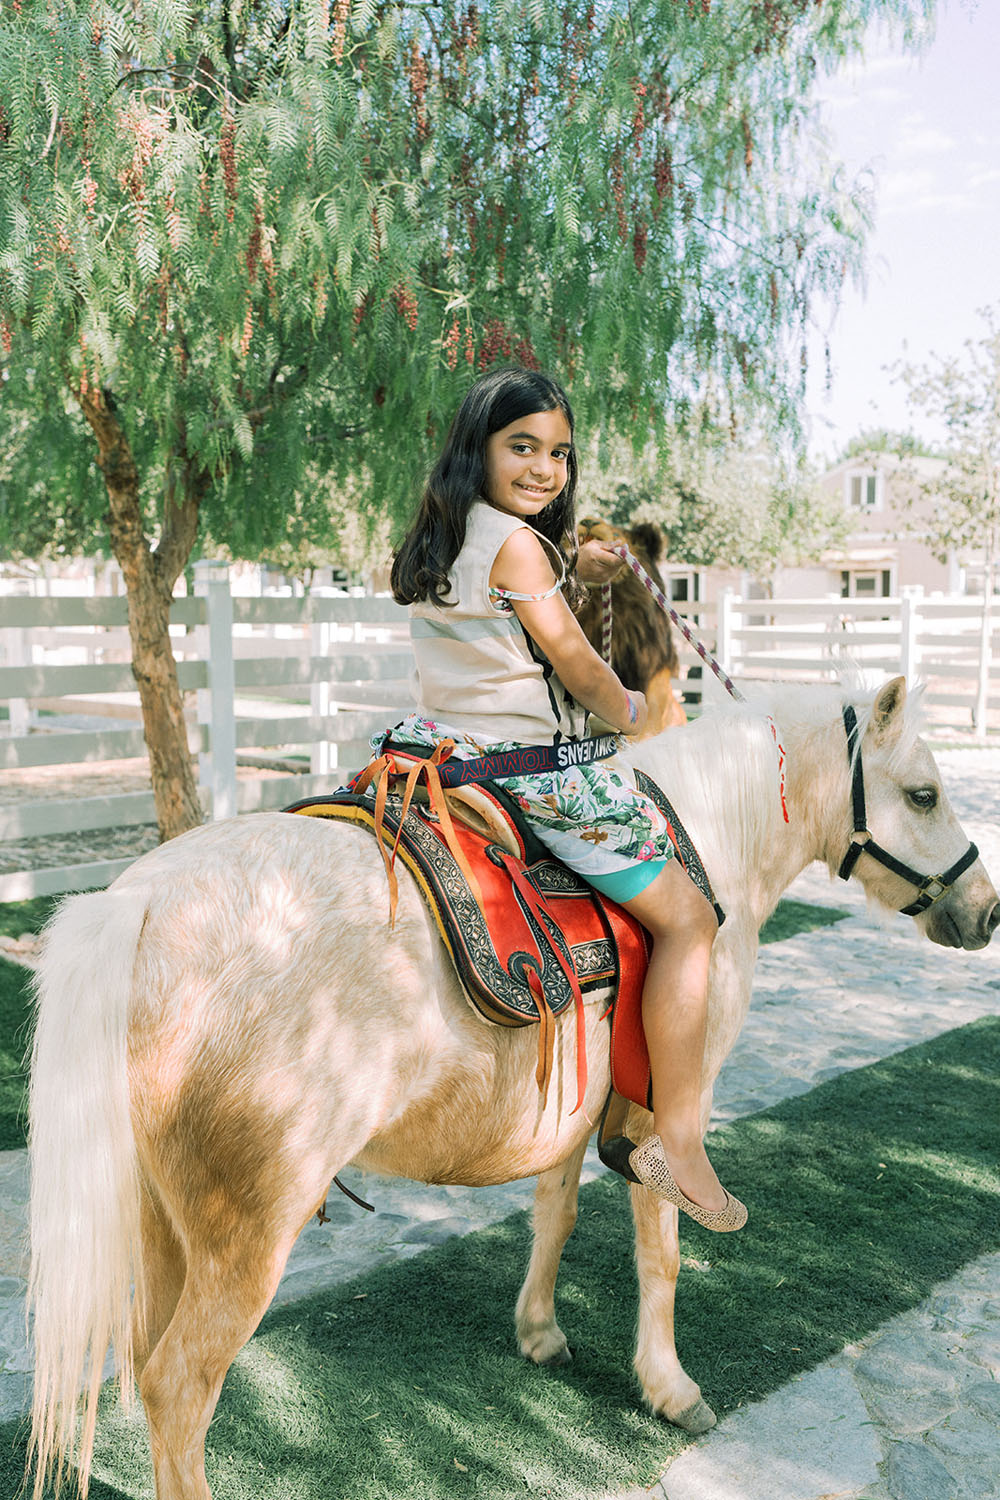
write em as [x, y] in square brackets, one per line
[613, 1145]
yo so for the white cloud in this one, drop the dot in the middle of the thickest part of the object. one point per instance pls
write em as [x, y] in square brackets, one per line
[917, 138]
[982, 176]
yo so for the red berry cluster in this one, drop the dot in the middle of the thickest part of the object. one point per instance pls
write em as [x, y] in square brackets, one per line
[132, 179]
[341, 14]
[464, 38]
[406, 305]
[618, 188]
[774, 19]
[497, 343]
[663, 174]
[6, 336]
[640, 237]
[638, 116]
[227, 156]
[525, 355]
[449, 344]
[418, 89]
[254, 243]
[247, 333]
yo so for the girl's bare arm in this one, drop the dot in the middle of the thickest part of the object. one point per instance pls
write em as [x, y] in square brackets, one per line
[523, 567]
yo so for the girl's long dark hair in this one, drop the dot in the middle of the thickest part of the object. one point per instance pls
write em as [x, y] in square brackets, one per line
[435, 538]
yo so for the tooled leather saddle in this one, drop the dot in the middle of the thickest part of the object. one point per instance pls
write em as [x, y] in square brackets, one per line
[528, 937]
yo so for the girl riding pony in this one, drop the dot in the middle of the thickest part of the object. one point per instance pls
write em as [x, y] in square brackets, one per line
[501, 662]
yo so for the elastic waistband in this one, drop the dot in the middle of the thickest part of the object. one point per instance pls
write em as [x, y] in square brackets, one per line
[526, 760]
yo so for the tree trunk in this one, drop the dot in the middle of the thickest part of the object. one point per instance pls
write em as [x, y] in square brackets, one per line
[149, 579]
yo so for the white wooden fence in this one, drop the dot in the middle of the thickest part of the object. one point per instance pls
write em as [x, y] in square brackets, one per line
[943, 642]
[276, 681]
[300, 683]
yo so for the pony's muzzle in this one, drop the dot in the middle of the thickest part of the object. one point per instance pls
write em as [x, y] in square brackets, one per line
[968, 915]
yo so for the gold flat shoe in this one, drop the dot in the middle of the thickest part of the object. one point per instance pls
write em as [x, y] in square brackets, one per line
[650, 1168]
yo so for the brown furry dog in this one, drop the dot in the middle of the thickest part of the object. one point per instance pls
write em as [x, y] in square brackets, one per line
[643, 650]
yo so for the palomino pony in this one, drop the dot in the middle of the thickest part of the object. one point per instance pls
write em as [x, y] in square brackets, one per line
[232, 1022]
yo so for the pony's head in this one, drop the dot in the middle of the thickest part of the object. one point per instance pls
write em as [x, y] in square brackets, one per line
[899, 833]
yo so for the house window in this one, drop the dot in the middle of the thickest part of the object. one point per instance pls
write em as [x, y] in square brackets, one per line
[684, 588]
[864, 490]
[870, 584]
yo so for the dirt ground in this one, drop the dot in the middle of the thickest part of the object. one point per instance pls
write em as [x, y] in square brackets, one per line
[106, 778]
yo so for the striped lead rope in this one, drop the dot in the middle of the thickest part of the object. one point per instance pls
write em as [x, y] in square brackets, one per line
[629, 557]
[640, 572]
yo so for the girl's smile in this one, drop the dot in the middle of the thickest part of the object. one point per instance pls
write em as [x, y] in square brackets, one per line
[527, 463]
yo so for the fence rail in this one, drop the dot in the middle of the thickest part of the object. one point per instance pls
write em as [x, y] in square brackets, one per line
[301, 683]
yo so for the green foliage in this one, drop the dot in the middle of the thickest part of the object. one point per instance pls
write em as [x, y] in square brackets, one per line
[744, 506]
[281, 235]
[885, 440]
[961, 396]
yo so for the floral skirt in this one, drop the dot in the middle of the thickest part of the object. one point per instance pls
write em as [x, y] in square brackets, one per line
[593, 818]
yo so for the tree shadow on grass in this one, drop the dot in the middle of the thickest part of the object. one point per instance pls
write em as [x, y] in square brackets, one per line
[406, 1383]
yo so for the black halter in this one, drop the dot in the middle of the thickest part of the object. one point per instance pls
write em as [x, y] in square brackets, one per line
[930, 887]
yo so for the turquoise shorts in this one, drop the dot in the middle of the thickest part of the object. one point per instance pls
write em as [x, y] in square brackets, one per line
[622, 885]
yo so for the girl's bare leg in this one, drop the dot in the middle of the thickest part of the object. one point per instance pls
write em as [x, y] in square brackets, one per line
[674, 1016]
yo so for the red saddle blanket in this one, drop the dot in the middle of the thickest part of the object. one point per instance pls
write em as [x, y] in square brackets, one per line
[534, 942]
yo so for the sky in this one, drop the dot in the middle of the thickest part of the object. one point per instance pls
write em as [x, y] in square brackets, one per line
[928, 127]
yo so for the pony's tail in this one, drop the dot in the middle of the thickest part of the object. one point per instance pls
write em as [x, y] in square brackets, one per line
[84, 1180]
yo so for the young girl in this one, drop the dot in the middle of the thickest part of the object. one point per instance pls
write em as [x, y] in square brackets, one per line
[501, 662]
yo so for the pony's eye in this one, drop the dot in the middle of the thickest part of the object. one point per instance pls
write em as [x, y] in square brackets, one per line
[923, 797]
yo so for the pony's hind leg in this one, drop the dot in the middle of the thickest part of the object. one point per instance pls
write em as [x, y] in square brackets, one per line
[225, 1295]
[162, 1281]
[539, 1336]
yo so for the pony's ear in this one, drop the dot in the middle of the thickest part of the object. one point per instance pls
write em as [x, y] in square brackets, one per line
[887, 715]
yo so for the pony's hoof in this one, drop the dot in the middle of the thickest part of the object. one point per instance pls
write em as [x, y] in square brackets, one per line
[547, 1348]
[695, 1419]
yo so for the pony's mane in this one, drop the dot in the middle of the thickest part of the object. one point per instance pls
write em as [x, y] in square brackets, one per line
[737, 745]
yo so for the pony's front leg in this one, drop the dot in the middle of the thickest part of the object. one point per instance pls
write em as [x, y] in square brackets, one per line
[668, 1389]
[539, 1336]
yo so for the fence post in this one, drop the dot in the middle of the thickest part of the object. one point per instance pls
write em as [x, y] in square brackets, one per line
[711, 688]
[909, 624]
[18, 654]
[216, 703]
[322, 635]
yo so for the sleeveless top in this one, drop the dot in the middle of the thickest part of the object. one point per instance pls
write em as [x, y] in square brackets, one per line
[476, 668]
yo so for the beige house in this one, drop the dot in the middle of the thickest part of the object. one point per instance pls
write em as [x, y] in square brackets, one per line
[883, 553]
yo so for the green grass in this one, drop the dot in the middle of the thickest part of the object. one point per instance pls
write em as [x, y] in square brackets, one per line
[15, 1017]
[863, 1194]
[18, 917]
[789, 918]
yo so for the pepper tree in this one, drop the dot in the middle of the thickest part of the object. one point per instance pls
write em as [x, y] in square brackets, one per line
[246, 242]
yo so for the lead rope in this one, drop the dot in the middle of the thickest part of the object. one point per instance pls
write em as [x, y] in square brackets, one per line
[606, 622]
[648, 583]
